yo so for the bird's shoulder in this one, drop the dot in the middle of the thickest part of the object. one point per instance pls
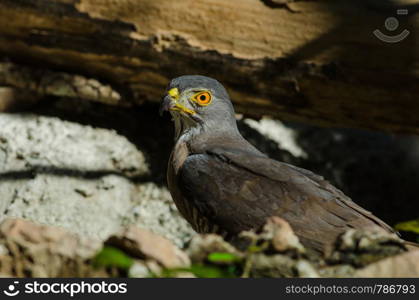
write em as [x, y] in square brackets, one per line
[249, 160]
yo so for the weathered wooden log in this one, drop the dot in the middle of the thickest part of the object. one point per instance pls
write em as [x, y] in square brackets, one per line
[311, 61]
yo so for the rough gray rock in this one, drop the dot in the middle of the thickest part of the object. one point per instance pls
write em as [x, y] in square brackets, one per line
[87, 180]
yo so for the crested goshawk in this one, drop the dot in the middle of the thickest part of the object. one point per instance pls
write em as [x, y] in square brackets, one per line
[221, 183]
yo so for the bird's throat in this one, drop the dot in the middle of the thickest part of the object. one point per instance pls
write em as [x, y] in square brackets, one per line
[186, 128]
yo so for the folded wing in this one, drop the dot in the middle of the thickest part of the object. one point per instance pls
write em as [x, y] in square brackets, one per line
[238, 190]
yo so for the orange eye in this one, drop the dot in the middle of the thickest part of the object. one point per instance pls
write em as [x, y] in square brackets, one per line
[203, 98]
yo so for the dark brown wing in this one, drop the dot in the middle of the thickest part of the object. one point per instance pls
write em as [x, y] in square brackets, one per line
[237, 191]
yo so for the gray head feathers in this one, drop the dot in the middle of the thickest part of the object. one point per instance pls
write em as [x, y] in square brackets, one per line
[192, 119]
[198, 81]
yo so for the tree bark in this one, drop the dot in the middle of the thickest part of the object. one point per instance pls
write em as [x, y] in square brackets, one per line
[310, 61]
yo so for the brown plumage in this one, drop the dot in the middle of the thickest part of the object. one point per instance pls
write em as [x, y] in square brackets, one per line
[221, 183]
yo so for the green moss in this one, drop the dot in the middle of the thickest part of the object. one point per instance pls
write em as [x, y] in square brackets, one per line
[226, 258]
[112, 257]
[410, 226]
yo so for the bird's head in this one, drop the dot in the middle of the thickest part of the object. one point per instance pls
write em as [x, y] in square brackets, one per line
[198, 102]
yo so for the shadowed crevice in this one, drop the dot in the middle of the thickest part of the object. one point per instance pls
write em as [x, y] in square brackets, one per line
[64, 172]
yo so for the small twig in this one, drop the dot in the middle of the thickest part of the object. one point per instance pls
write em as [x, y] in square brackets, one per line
[251, 250]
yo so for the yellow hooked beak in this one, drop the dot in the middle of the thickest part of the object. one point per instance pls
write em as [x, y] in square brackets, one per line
[175, 105]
